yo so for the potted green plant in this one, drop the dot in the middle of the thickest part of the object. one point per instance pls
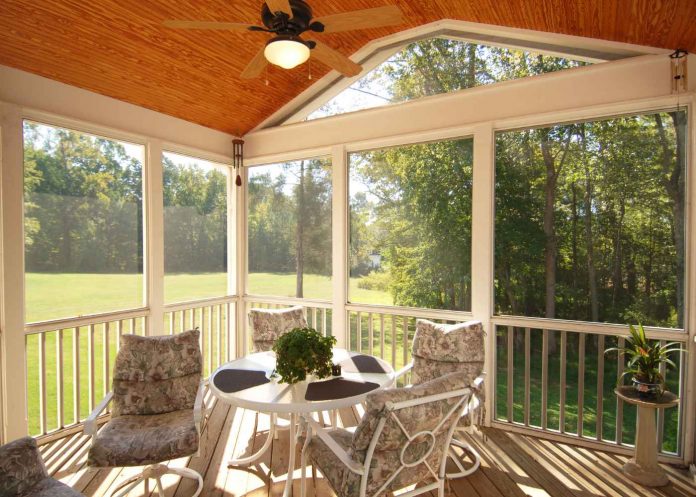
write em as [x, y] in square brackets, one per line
[644, 360]
[302, 352]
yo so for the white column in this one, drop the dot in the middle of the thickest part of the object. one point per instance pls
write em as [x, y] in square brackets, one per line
[12, 346]
[482, 249]
[240, 233]
[690, 312]
[339, 244]
[154, 237]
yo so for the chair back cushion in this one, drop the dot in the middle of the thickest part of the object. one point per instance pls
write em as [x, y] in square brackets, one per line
[440, 349]
[392, 447]
[155, 375]
[21, 467]
[269, 324]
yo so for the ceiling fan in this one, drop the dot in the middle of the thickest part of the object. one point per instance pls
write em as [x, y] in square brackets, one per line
[287, 20]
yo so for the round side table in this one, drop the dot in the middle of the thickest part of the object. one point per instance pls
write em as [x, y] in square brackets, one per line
[643, 467]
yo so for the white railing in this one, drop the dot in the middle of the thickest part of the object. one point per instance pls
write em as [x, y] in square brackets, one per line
[550, 377]
[215, 318]
[69, 365]
[388, 331]
[553, 376]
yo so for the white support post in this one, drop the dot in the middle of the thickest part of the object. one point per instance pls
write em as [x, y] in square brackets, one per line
[154, 237]
[689, 407]
[482, 248]
[12, 346]
[241, 266]
[339, 244]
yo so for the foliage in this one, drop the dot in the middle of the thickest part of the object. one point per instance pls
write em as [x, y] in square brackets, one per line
[376, 280]
[645, 357]
[303, 351]
[84, 207]
[439, 65]
[289, 219]
[616, 228]
[195, 217]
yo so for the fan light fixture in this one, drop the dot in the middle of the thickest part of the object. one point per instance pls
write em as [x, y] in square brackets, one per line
[286, 52]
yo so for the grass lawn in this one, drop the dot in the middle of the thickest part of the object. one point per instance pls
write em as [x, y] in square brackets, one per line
[315, 287]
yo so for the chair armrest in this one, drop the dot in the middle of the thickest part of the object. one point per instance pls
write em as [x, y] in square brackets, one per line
[91, 422]
[199, 408]
[403, 370]
[323, 434]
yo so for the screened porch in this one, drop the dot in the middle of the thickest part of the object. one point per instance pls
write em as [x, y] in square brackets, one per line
[547, 193]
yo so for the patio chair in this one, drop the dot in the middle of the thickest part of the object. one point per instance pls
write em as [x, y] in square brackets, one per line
[23, 473]
[439, 349]
[401, 441]
[157, 411]
[267, 325]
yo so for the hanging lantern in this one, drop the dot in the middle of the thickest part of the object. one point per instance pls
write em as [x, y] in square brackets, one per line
[238, 159]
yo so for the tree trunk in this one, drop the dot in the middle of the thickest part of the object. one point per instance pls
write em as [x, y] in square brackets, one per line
[549, 228]
[617, 273]
[299, 252]
[552, 172]
[674, 183]
[591, 273]
[574, 241]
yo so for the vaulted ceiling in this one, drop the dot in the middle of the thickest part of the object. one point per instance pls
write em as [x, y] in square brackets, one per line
[120, 49]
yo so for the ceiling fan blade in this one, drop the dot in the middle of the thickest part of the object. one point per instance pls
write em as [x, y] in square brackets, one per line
[257, 64]
[231, 26]
[279, 6]
[389, 15]
[335, 60]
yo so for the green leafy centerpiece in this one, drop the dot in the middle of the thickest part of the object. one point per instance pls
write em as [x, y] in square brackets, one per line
[644, 360]
[301, 352]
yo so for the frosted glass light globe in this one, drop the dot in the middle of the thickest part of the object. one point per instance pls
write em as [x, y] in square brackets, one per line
[286, 53]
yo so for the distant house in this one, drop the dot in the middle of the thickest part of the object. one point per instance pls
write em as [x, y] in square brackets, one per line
[375, 260]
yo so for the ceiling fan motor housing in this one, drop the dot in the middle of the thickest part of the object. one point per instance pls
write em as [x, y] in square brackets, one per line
[283, 24]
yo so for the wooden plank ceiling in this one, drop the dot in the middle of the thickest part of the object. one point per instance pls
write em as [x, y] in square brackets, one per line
[119, 48]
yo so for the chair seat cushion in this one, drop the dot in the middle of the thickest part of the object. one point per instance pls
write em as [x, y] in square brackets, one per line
[51, 488]
[141, 440]
[328, 463]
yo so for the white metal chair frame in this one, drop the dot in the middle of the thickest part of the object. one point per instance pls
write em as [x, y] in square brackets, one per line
[391, 408]
[465, 446]
[155, 471]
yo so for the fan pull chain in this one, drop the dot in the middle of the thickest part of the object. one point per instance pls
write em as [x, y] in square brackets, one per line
[309, 66]
[266, 74]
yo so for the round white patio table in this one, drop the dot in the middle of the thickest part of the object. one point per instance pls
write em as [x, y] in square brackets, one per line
[281, 398]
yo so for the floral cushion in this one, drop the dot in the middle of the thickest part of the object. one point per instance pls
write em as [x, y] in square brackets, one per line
[386, 458]
[51, 488]
[21, 467]
[439, 349]
[324, 458]
[22, 472]
[155, 375]
[141, 440]
[269, 324]
[158, 358]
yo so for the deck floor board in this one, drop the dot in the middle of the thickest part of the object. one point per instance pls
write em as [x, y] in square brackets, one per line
[513, 465]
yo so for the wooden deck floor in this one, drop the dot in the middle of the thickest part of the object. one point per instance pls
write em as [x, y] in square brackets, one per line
[513, 465]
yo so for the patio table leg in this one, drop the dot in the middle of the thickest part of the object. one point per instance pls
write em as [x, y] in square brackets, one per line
[244, 461]
[291, 460]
